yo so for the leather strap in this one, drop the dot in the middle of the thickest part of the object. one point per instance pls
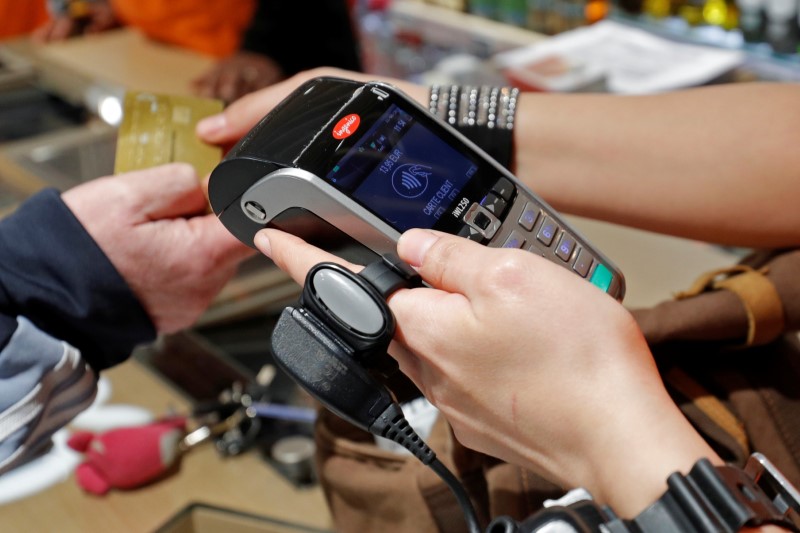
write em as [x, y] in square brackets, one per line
[764, 308]
[709, 404]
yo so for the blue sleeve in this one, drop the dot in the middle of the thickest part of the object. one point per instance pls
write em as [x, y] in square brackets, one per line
[55, 275]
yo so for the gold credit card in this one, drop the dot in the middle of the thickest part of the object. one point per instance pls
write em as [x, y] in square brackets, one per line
[159, 128]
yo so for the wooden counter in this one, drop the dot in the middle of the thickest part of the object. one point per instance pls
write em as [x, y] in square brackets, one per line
[122, 59]
[245, 483]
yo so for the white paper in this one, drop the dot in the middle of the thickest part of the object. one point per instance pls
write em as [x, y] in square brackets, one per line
[633, 61]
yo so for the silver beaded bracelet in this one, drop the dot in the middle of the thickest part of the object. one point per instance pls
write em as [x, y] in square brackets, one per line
[473, 106]
[483, 114]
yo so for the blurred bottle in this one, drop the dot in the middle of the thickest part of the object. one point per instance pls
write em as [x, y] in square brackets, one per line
[631, 7]
[781, 25]
[596, 10]
[752, 20]
[512, 12]
[557, 19]
[657, 8]
[483, 8]
[576, 16]
[722, 13]
[692, 12]
[455, 5]
[538, 11]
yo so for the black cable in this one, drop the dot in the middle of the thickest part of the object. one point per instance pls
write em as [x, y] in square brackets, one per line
[460, 493]
[392, 424]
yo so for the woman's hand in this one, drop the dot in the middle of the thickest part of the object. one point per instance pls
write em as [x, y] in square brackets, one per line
[238, 118]
[531, 364]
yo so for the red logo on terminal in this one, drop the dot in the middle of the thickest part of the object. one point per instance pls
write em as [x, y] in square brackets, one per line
[346, 127]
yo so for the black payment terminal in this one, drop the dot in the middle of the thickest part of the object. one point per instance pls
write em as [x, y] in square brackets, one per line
[349, 166]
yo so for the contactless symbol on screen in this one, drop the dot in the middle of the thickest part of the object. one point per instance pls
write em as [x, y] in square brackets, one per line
[410, 180]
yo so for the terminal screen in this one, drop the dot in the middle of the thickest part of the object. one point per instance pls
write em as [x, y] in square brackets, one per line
[404, 173]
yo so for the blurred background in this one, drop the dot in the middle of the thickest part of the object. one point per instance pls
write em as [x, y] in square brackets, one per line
[66, 65]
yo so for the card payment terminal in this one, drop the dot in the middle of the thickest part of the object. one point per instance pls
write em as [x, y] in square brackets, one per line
[349, 166]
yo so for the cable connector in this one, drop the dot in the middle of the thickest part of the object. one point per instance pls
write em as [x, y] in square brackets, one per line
[392, 424]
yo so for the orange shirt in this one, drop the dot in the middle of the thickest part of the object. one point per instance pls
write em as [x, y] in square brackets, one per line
[20, 18]
[212, 27]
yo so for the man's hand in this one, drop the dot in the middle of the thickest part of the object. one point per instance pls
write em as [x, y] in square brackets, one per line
[238, 75]
[152, 226]
[99, 17]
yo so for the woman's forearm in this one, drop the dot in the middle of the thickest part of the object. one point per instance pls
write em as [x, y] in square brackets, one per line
[716, 163]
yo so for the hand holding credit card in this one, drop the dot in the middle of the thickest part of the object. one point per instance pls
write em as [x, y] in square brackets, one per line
[157, 129]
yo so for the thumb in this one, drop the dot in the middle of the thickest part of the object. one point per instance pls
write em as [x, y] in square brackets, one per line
[238, 118]
[444, 261]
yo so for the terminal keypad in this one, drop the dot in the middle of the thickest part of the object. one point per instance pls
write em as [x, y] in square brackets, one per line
[547, 231]
[534, 231]
[583, 263]
[495, 204]
[565, 246]
[529, 216]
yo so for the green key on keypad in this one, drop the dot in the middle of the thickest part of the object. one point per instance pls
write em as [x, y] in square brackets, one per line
[602, 277]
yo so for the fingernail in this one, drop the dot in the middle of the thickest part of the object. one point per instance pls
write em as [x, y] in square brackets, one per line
[414, 245]
[261, 240]
[211, 125]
